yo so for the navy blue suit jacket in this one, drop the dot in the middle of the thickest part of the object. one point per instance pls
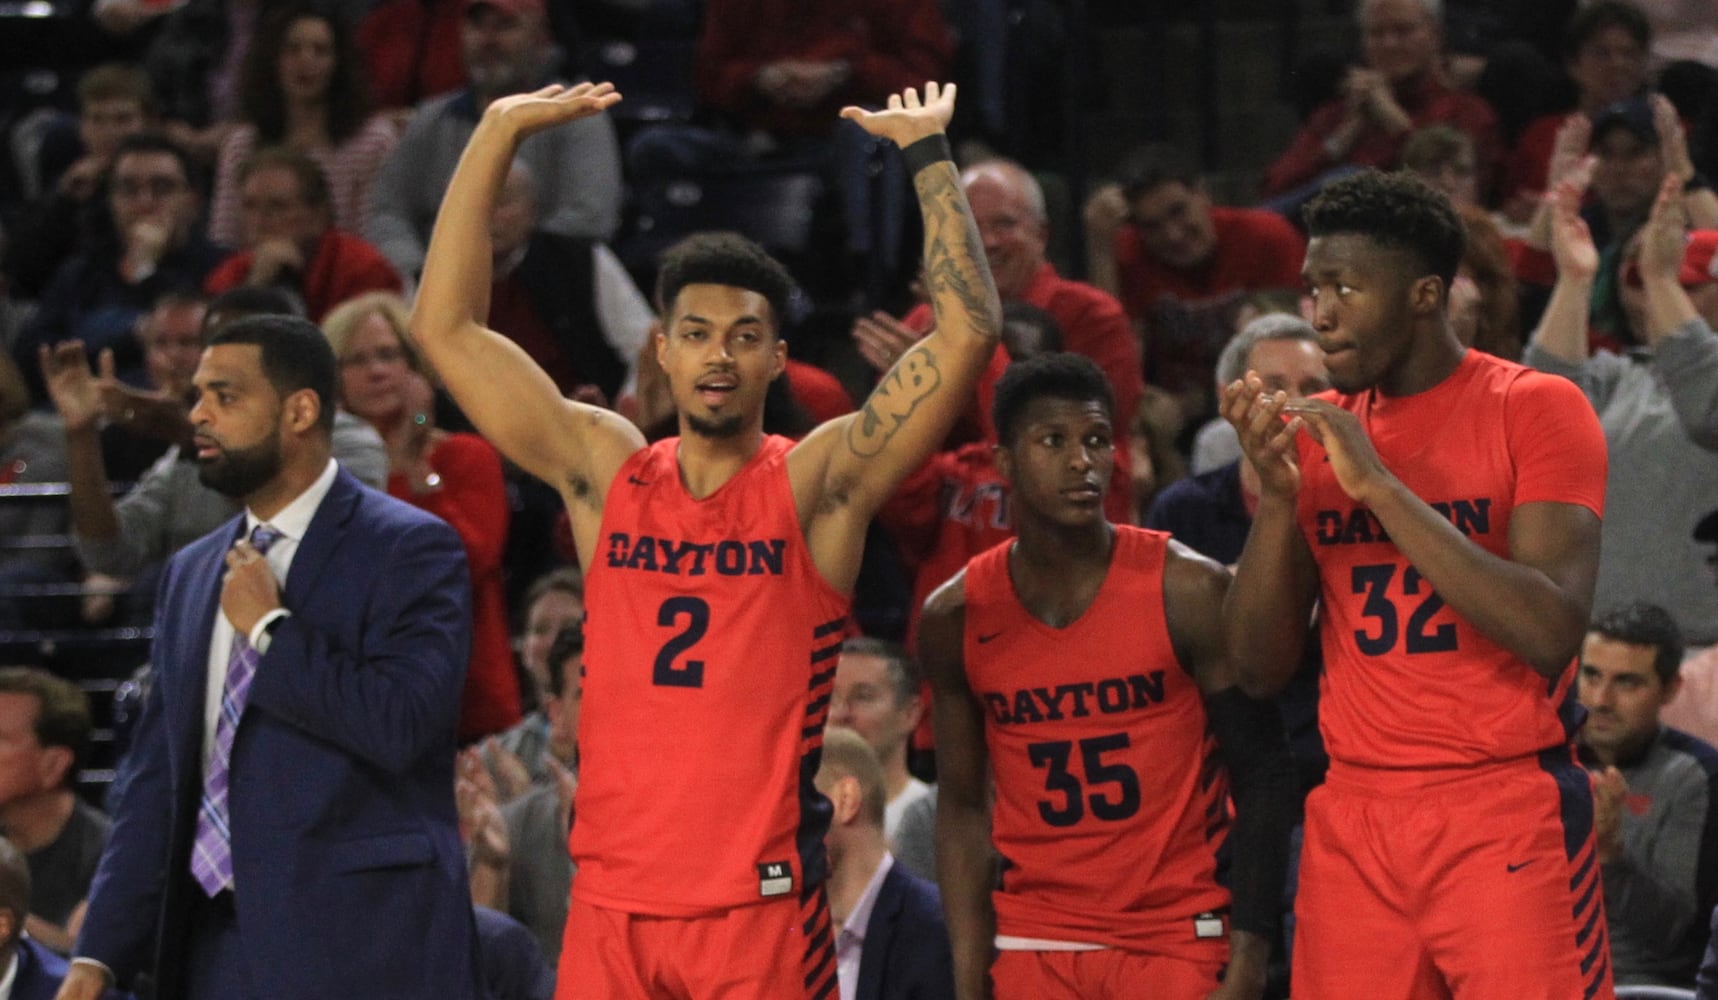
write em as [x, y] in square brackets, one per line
[348, 872]
[906, 954]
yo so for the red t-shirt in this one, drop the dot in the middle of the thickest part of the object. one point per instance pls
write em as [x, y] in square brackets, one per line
[473, 499]
[341, 266]
[1408, 683]
[1256, 249]
[1110, 794]
[710, 650]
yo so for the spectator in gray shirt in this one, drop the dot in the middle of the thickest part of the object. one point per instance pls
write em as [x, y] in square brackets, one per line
[577, 167]
[1654, 792]
[1658, 405]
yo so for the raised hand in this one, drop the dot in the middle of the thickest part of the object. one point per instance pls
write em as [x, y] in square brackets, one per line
[1267, 440]
[1569, 150]
[1106, 212]
[1571, 242]
[1359, 470]
[882, 339]
[1672, 139]
[1664, 237]
[556, 104]
[907, 119]
[76, 392]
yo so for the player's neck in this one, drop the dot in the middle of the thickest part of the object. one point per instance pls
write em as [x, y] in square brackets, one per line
[1057, 549]
[706, 463]
[848, 877]
[1435, 356]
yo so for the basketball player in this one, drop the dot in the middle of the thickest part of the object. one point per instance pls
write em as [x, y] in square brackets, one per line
[1081, 667]
[718, 569]
[1443, 507]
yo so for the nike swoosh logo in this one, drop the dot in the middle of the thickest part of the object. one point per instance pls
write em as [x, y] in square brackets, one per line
[987, 638]
[634, 480]
[1516, 868]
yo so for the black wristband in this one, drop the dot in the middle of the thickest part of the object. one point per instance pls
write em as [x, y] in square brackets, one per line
[921, 153]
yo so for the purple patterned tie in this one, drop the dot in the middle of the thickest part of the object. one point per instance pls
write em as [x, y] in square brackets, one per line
[212, 851]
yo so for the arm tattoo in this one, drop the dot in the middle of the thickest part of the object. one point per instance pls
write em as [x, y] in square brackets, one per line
[956, 273]
[915, 377]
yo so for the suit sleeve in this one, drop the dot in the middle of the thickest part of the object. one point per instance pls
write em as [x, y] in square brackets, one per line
[396, 697]
[120, 924]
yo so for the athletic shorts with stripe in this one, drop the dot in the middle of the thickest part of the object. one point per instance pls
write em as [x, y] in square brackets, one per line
[780, 950]
[1473, 884]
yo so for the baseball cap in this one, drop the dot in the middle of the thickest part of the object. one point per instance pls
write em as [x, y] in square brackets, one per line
[1699, 262]
[1634, 114]
[516, 8]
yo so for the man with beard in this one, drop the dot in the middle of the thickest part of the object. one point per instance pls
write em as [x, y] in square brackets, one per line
[290, 786]
[719, 566]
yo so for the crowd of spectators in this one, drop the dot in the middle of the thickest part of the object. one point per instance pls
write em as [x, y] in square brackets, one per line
[262, 157]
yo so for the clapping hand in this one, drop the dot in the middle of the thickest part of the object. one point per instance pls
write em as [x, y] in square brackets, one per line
[1267, 440]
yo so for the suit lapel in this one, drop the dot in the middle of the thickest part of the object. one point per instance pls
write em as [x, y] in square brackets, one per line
[322, 538]
[879, 937]
[189, 651]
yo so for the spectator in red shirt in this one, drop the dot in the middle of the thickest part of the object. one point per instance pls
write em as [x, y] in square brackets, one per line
[412, 50]
[456, 477]
[290, 241]
[1155, 237]
[1400, 88]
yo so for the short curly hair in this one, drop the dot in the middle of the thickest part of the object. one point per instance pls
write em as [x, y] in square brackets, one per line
[1056, 375]
[722, 258]
[1396, 210]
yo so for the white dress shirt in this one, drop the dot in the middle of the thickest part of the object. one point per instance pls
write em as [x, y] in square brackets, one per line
[850, 943]
[292, 522]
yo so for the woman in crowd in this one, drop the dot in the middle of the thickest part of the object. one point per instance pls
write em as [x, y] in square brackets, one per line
[457, 477]
[302, 87]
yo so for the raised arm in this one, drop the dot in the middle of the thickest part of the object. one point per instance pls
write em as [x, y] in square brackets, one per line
[964, 865]
[1562, 330]
[1255, 750]
[77, 395]
[856, 462]
[573, 446]
[1266, 611]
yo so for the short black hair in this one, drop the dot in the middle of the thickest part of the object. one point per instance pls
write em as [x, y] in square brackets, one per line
[902, 669]
[1058, 375]
[1396, 210]
[1644, 624]
[295, 355]
[245, 301]
[147, 143]
[1150, 167]
[569, 643]
[723, 258]
[1587, 22]
[62, 709]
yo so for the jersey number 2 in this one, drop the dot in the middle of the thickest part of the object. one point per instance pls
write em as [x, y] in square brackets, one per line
[697, 614]
[1055, 755]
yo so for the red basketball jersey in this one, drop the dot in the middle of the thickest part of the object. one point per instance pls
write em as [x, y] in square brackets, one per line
[1110, 797]
[711, 641]
[1407, 682]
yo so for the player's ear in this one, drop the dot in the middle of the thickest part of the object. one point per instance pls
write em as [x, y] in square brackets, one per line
[1427, 294]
